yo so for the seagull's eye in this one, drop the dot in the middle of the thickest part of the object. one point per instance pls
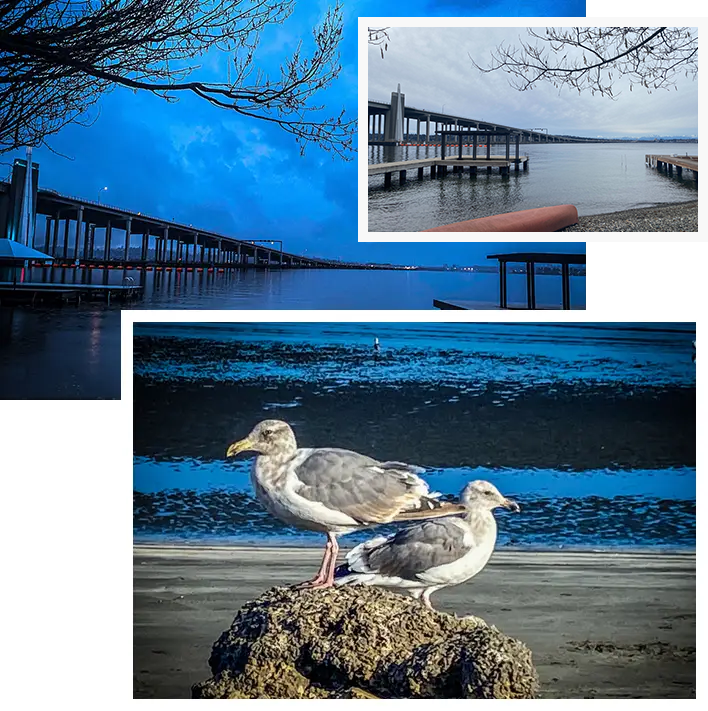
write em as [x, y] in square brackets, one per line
[267, 433]
[488, 492]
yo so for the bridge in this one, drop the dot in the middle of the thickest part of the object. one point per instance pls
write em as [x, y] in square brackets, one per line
[77, 230]
[390, 124]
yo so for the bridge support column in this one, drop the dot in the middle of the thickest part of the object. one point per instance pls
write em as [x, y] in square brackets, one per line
[92, 240]
[87, 240]
[79, 225]
[55, 236]
[144, 250]
[194, 255]
[47, 233]
[126, 248]
[107, 243]
[65, 246]
[219, 252]
[427, 129]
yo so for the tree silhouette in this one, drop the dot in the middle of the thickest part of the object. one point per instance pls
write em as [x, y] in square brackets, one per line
[58, 58]
[594, 58]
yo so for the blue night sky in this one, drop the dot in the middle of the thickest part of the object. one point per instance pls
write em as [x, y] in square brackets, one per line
[202, 165]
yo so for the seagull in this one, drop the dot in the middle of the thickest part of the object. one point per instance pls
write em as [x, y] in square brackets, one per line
[433, 554]
[377, 346]
[334, 491]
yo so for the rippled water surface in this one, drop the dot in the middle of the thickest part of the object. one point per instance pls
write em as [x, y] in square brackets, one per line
[596, 178]
[74, 352]
[590, 426]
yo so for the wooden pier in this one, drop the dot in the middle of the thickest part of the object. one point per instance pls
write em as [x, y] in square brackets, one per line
[669, 163]
[438, 167]
[37, 292]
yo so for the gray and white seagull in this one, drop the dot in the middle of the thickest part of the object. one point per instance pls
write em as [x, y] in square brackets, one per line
[433, 554]
[335, 491]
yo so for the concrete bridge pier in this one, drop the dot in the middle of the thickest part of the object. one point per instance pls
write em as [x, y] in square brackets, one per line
[144, 247]
[128, 227]
[107, 243]
[77, 231]
[55, 235]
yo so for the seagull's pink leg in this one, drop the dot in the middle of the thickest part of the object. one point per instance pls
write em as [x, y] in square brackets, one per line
[325, 575]
[321, 577]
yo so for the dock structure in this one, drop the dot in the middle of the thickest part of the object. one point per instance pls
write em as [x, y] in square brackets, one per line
[439, 165]
[669, 163]
[530, 259]
[39, 292]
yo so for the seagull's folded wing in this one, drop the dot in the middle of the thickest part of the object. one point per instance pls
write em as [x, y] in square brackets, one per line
[417, 549]
[359, 486]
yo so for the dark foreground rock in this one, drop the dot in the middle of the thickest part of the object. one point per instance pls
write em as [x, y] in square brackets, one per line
[357, 642]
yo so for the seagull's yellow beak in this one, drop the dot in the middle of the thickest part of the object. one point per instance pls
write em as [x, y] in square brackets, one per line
[243, 445]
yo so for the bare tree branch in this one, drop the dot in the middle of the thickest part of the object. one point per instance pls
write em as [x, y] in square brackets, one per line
[379, 36]
[58, 57]
[594, 58]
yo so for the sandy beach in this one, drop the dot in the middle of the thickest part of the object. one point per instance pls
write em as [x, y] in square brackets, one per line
[670, 217]
[600, 625]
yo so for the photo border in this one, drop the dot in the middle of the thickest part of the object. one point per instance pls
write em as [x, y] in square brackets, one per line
[130, 317]
[522, 23]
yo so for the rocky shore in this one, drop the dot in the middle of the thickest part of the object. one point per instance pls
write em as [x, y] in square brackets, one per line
[670, 217]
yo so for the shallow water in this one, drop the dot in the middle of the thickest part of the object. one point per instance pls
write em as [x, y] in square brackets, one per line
[590, 426]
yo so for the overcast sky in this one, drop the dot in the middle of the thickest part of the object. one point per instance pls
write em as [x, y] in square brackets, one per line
[434, 69]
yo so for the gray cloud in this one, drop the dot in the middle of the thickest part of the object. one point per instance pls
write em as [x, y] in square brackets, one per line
[434, 69]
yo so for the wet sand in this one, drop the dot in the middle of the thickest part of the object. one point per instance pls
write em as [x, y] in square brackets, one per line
[614, 625]
[578, 426]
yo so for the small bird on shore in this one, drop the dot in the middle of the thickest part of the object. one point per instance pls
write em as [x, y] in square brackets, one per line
[335, 491]
[433, 554]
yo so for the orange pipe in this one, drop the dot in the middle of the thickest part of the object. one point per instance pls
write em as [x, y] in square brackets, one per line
[538, 219]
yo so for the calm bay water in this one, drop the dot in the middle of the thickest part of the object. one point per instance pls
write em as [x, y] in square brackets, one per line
[590, 426]
[596, 178]
[73, 352]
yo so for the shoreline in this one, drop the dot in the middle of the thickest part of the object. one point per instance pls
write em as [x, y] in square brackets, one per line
[662, 217]
[275, 543]
[599, 625]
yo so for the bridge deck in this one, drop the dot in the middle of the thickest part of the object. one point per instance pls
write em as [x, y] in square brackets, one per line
[492, 162]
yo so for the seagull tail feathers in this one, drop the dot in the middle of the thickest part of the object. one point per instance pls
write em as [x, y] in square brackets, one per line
[356, 568]
[430, 508]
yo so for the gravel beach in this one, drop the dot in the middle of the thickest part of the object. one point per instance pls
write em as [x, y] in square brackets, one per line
[670, 217]
[599, 625]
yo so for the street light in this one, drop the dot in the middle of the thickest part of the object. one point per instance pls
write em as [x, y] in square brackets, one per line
[99, 194]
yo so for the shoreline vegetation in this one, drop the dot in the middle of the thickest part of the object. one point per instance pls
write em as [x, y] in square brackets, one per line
[599, 625]
[665, 217]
